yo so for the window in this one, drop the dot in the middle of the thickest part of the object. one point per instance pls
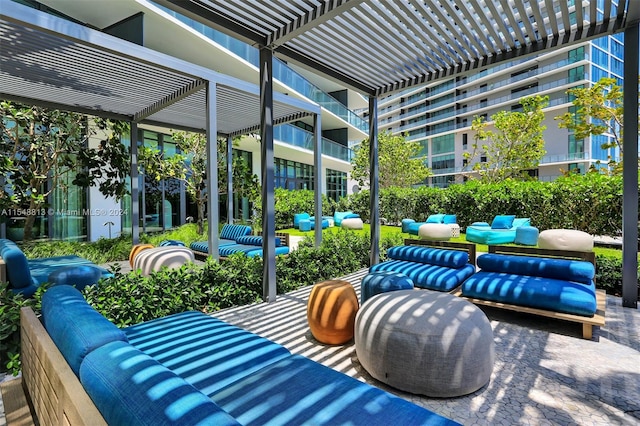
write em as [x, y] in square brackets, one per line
[483, 103]
[597, 73]
[483, 159]
[465, 138]
[336, 184]
[576, 74]
[524, 71]
[576, 55]
[293, 175]
[528, 87]
[443, 144]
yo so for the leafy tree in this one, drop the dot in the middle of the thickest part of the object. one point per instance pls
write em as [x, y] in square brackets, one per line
[398, 162]
[189, 165]
[516, 145]
[599, 110]
[42, 149]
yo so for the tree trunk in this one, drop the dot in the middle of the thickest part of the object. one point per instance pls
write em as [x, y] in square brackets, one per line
[30, 220]
[200, 221]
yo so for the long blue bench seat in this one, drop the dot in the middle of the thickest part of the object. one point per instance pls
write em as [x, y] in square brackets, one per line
[558, 285]
[429, 268]
[190, 368]
[228, 236]
[26, 275]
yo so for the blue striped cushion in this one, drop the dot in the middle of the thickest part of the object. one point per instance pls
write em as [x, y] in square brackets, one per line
[428, 276]
[544, 293]
[202, 246]
[252, 240]
[433, 256]
[131, 388]
[561, 269]
[233, 232]
[166, 243]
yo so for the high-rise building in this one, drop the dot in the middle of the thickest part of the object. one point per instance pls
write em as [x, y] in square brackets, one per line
[439, 115]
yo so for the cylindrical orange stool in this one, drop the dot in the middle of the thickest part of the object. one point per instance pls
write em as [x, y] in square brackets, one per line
[137, 249]
[331, 311]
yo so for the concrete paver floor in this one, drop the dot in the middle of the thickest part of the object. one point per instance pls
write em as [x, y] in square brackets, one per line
[544, 374]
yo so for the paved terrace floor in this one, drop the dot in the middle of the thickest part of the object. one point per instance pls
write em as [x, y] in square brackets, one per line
[544, 374]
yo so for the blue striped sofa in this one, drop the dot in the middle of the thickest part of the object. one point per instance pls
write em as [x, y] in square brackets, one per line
[252, 246]
[228, 235]
[429, 268]
[190, 368]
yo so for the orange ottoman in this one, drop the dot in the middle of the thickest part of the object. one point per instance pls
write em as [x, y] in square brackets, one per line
[137, 249]
[331, 311]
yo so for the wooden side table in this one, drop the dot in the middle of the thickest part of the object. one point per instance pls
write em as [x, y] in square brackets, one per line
[331, 311]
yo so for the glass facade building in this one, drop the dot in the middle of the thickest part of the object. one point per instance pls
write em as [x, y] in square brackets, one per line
[439, 115]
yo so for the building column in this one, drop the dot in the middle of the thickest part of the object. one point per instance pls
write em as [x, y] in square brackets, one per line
[229, 180]
[268, 184]
[163, 187]
[374, 186]
[135, 203]
[630, 169]
[213, 213]
[317, 177]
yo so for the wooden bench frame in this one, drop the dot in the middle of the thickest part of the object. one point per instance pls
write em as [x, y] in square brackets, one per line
[48, 393]
[598, 319]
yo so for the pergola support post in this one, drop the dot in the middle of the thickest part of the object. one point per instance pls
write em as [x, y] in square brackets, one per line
[135, 190]
[268, 184]
[373, 180]
[229, 180]
[630, 170]
[317, 177]
[213, 213]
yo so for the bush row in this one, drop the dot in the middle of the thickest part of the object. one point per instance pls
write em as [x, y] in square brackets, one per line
[127, 299]
[591, 202]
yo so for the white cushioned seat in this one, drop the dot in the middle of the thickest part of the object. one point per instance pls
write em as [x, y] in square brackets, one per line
[153, 259]
[425, 342]
[435, 231]
[352, 223]
[565, 239]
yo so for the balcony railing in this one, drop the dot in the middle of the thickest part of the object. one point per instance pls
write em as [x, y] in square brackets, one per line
[281, 71]
[301, 138]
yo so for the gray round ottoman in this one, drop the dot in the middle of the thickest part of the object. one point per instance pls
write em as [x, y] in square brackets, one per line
[425, 342]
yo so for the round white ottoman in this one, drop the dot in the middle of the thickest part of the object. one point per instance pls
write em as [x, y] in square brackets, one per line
[565, 239]
[352, 223]
[425, 342]
[435, 231]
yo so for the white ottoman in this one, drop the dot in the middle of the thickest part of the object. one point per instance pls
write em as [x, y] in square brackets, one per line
[565, 239]
[153, 259]
[352, 223]
[425, 342]
[435, 231]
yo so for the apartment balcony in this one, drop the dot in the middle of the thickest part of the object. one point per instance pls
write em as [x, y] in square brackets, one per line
[566, 158]
[281, 72]
[295, 136]
[532, 73]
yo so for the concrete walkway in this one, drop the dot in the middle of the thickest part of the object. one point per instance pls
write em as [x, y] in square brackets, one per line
[544, 373]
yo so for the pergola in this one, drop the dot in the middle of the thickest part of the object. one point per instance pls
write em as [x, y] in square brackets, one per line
[379, 46]
[51, 62]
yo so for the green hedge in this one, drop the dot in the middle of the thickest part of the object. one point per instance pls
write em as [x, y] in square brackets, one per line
[128, 299]
[590, 203]
[289, 203]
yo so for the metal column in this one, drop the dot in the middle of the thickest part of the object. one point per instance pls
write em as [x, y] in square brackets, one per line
[317, 177]
[135, 203]
[213, 213]
[374, 187]
[268, 185]
[229, 180]
[630, 170]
